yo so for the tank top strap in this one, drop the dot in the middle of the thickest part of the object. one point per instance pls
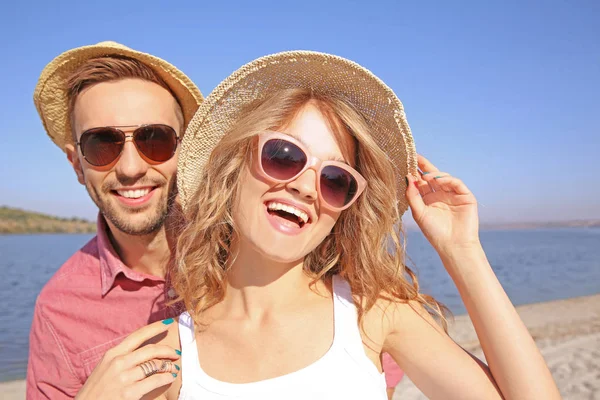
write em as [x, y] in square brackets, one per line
[347, 331]
[345, 316]
[189, 350]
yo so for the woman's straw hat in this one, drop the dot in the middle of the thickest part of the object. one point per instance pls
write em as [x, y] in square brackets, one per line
[50, 96]
[322, 73]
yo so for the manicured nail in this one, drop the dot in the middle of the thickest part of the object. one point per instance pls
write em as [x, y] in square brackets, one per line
[406, 179]
[177, 367]
[174, 375]
[438, 177]
[426, 173]
[178, 352]
[168, 321]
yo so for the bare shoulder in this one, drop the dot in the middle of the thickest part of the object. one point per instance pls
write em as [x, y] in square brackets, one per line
[398, 317]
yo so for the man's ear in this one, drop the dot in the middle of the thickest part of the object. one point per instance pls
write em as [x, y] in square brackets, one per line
[73, 158]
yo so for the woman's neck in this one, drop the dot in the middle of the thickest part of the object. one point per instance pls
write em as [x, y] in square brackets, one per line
[258, 286]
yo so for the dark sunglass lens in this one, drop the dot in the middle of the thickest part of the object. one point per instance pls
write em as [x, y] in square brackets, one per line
[338, 186]
[156, 142]
[101, 146]
[281, 159]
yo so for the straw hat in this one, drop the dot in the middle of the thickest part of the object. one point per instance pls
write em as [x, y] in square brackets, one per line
[323, 73]
[50, 96]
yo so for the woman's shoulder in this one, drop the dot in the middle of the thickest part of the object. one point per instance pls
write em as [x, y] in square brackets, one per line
[390, 315]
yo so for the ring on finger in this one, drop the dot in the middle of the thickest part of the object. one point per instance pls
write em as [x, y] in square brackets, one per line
[149, 368]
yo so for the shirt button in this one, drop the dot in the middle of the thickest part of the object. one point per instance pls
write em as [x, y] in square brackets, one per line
[171, 293]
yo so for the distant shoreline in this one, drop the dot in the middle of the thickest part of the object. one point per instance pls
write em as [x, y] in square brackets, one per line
[525, 226]
[16, 221]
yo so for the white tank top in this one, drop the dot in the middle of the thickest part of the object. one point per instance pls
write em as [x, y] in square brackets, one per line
[344, 372]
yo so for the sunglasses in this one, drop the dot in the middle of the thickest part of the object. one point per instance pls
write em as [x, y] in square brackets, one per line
[156, 143]
[283, 159]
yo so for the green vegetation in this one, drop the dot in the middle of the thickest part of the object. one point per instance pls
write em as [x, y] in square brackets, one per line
[13, 220]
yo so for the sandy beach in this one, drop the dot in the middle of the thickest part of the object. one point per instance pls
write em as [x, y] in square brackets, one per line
[566, 331]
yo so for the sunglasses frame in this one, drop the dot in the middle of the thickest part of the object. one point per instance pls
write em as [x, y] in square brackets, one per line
[312, 162]
[118, 128]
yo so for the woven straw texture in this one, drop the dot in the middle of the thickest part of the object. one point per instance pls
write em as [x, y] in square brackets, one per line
[322, 73]
[50, 96]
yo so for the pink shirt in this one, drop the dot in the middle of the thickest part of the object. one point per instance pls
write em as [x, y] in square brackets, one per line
[89, 306]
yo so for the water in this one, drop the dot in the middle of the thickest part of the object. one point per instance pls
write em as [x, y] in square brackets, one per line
[26, 262]
[533, 266]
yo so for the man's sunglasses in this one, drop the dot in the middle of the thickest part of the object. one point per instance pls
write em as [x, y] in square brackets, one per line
[156, 143]
[283, 159]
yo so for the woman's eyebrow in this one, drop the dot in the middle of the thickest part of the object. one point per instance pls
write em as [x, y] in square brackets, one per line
[329, 157]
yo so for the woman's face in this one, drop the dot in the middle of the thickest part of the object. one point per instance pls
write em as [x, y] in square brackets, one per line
[266, 213]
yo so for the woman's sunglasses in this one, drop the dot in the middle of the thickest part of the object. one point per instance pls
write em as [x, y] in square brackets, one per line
[283, 159]
[156, 143]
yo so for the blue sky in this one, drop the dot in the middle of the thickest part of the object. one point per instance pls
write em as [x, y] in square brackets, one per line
[501, 94]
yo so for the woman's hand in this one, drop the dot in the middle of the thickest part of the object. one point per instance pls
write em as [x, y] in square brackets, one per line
[444, 208]
[128, 371]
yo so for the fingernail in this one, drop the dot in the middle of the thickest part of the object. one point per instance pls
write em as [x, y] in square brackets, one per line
[174, 375]
[406, 179]
[177, 367]
[178, 352]
[168, 321]
[426, 173]
[437, 177]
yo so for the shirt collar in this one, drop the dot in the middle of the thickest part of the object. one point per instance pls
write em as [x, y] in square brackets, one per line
[110, 262]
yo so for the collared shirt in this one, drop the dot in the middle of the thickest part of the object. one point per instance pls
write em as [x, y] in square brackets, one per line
[89, 306]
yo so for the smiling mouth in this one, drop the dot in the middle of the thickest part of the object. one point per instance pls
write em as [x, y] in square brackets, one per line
[133, 194]
[289, 213]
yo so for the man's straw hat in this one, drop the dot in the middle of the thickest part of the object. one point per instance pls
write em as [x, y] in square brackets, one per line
[322, 73]
[50, 96]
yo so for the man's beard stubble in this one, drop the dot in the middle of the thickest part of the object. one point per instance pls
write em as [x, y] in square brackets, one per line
[120, 219]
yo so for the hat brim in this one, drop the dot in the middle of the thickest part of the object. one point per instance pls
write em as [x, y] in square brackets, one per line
[50, 96]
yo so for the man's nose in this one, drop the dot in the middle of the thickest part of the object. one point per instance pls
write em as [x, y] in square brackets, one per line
[131, 165]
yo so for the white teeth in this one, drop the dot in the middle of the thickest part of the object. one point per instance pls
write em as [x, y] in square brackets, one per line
[289, 209]
[133, 194]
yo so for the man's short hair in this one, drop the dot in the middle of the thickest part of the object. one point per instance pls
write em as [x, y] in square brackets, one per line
[107, 69]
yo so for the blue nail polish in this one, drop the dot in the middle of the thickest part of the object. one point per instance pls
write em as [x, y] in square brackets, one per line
[426, 173]
[168, 321]
[174, 375]
[178, 352]
[177, 367]
[437, 177]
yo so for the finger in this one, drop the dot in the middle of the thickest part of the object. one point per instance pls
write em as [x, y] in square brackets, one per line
[137, 338]
[425, 165]
[149, 368]
[432, 180]
[413, 195]
[145, 386]
[424, 188]
[422, 185]
[150, 352]
[450, 183]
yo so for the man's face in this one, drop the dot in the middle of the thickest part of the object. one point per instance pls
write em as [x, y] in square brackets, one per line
[133, 194]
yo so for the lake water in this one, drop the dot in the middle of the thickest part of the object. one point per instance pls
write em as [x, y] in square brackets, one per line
[533, 266]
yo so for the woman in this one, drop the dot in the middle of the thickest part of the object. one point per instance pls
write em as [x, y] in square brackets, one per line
[291, 265]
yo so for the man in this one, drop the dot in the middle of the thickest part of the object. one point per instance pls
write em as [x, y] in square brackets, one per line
[118, 114]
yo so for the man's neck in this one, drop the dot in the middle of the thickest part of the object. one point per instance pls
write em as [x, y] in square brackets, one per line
[147, 254]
